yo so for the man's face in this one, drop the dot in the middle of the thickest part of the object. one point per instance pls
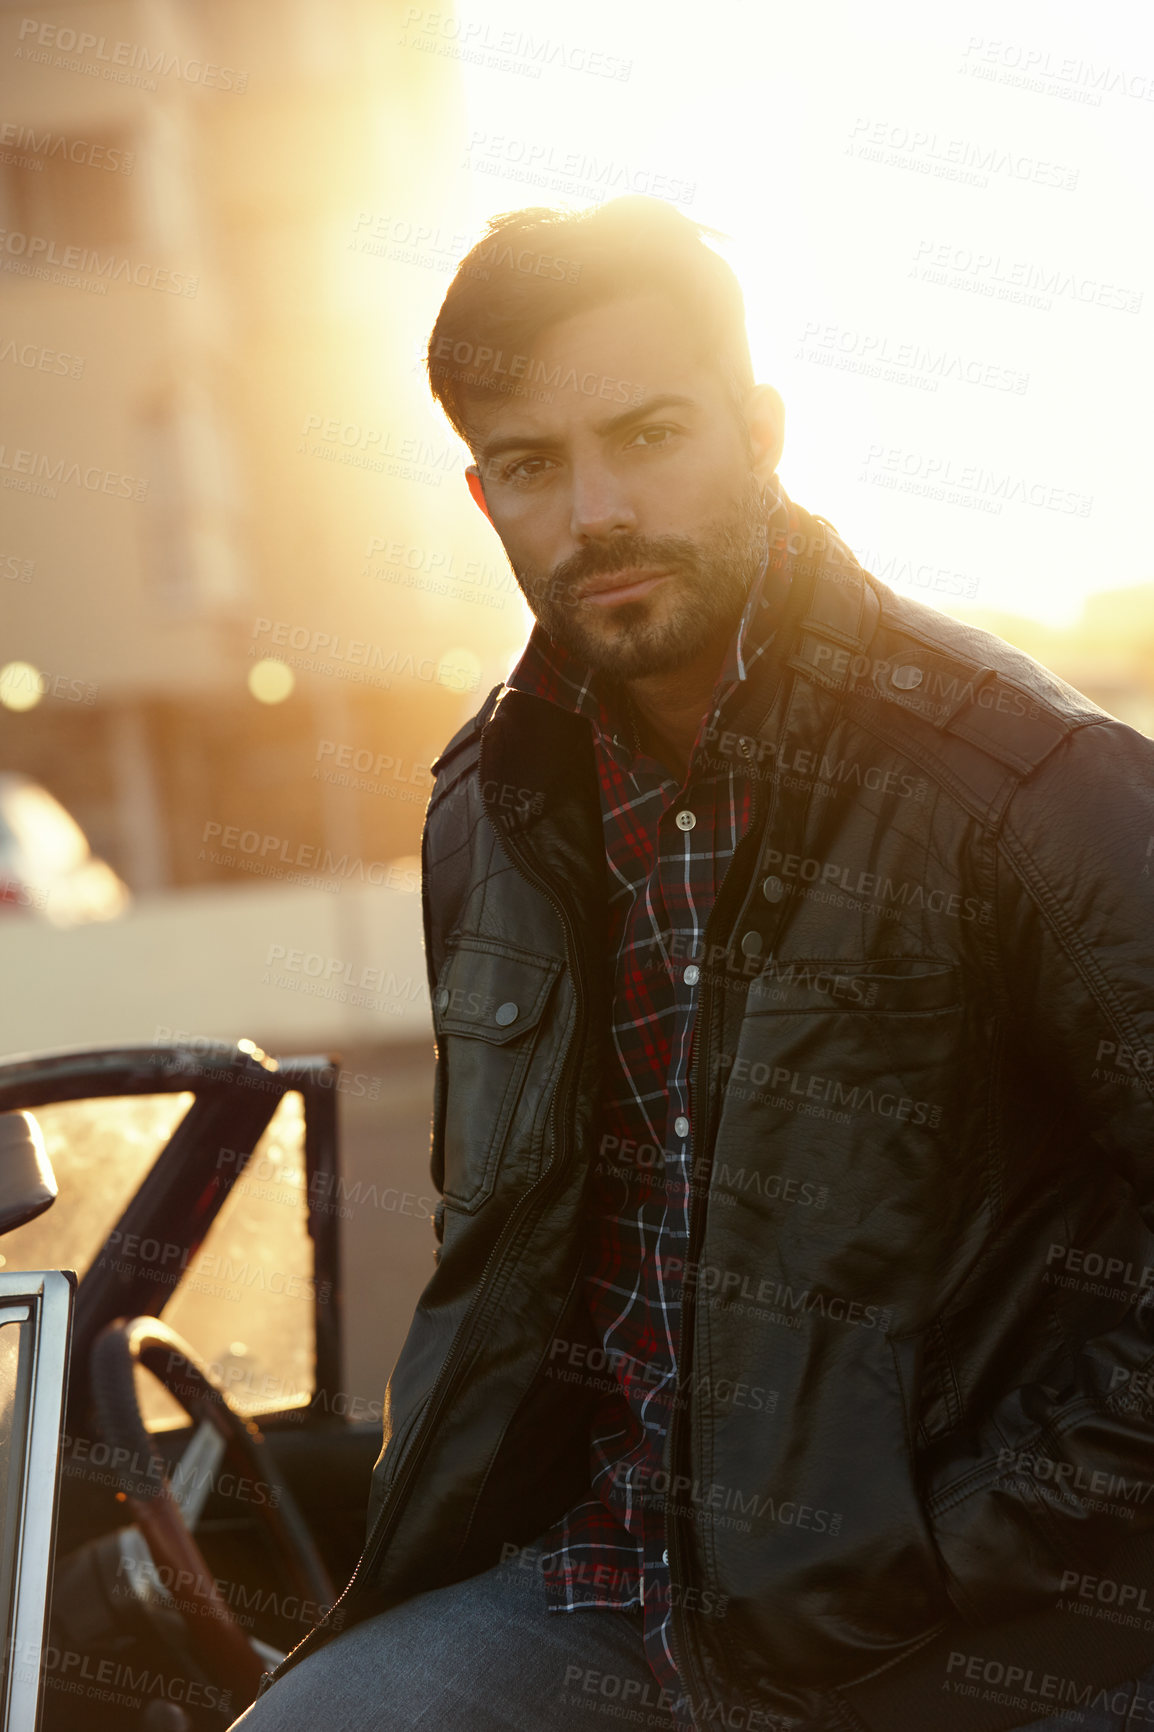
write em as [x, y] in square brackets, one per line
[628, 505]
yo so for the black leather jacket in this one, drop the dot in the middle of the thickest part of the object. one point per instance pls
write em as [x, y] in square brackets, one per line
[924, 1186]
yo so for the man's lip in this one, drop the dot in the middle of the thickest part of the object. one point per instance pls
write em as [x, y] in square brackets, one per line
[621, 585]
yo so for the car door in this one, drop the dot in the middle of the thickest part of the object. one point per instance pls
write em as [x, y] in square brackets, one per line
[199, 1183]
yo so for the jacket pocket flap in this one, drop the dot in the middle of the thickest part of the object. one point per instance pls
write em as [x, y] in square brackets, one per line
[491, 991]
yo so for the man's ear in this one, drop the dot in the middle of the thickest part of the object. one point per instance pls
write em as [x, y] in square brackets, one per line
[473, 477]
[765, 418]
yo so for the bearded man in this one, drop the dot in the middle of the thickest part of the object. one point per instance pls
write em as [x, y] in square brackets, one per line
[787, 1357]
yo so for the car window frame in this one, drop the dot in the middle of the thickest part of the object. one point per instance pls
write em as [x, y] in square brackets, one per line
[236, 1090]
[41, 1300]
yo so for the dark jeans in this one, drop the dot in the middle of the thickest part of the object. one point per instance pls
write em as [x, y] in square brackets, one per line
[481, 1656]
[485, 1656]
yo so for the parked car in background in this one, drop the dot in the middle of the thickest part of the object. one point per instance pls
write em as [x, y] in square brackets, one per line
[46, 866]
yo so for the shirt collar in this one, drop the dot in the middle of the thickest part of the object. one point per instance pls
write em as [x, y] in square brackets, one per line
[547, 670]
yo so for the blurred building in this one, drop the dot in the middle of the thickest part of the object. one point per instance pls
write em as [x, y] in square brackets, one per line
[215, 446]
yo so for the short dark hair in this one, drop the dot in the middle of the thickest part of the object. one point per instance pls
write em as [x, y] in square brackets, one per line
[537, 266]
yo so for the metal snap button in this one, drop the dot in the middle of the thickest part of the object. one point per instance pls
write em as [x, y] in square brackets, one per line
[906, 677]
[772, 889]
[751, 944]
[505, 1014]
[442, 999]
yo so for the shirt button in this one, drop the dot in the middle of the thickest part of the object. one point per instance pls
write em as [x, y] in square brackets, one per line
[685, 820]
[505, 1014]
[773, 889]
[665, 1556]
[692, 974]
[681, 1125]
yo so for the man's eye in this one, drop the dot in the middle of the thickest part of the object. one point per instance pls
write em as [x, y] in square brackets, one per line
[651, 436]
[526, 469]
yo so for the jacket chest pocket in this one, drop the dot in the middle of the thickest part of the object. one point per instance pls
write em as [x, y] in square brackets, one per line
[488, 1006]
[850, 1092]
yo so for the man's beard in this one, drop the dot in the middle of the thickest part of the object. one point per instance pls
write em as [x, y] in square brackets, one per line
[713, 578]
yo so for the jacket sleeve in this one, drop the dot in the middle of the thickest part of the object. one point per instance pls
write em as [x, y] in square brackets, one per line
[1061, 1472]
[445, 861]
[434, 950]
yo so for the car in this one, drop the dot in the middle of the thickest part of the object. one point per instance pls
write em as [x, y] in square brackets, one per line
[187, 1428]
[46, 865]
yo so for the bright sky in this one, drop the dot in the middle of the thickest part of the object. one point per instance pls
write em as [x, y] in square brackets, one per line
[890, 177]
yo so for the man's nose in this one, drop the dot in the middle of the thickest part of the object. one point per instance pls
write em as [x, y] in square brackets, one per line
[600, 506]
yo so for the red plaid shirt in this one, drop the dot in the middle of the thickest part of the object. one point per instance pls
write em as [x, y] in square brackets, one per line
[668, 849]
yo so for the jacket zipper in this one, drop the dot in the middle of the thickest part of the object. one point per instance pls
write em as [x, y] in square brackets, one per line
[423, 1429]
[681, 1647]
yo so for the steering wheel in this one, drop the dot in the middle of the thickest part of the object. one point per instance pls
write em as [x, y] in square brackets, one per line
[165, 1510]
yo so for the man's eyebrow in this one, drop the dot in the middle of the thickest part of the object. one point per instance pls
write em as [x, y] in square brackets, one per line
[546, 442]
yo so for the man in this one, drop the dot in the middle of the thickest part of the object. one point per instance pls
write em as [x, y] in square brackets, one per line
[787, 1361]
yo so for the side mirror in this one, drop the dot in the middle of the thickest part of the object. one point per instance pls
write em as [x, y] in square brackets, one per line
[27, 1182]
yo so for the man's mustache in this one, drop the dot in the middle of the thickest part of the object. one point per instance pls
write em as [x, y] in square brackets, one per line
[665, 553]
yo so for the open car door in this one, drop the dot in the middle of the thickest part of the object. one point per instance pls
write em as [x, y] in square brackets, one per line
[212, 1487]
[35, 1339]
